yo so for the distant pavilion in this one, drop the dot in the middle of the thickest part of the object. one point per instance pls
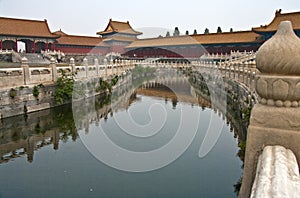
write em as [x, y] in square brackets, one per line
[267, 31]
[118, 35]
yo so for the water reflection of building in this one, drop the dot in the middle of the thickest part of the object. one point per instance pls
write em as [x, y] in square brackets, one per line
[21, 135]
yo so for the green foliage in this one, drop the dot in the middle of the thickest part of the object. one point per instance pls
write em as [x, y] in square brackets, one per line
[37, 128]
[35, 91]
[25, 109]
[238, 186]
[64, 88]
[103, 86]
[12, 93]
[246, 113]
[114, 80]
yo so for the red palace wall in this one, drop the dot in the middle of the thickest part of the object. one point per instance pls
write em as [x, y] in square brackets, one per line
[187, 51]
[117, 49]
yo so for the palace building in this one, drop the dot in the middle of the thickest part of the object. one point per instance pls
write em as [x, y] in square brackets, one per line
[194, 45]
[120, 37]
[73, 44]
[267, 31]
[35, 34]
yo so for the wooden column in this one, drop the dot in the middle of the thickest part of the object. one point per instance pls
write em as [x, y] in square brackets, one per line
[16, 45]
[0, 44]
[47, 46]
[33, 47]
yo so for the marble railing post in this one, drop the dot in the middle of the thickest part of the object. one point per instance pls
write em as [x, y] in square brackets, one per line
[85, 64]
[96, 63]
[105, 65]
[112, 66]
[54, 69]
[123, 62]
[275, 119]
[26, 73]
[72, 65]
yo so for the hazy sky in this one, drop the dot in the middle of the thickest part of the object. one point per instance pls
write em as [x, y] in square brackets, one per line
[89, 16]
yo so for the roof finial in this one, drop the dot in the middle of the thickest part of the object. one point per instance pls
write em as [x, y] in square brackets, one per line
[278, 12]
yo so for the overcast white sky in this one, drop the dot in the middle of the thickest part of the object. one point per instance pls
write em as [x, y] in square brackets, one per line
[89, 16]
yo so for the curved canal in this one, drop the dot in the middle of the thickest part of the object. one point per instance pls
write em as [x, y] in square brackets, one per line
[156, 142]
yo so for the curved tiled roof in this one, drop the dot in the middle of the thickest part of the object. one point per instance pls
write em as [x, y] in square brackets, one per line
[25, 27]
[119, 27]
[80, 40]
[120, 38]
[215, 38]
[294, 17]
[227, 37]
[59, 32]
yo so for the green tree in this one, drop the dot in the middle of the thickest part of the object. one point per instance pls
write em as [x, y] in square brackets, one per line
[219, 30]
[206, 31]
[64, 90]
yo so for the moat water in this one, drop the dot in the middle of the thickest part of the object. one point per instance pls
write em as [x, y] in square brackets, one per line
[51, 153]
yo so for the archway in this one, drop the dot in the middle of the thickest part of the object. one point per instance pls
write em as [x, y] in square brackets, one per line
[8, 45]
[21, 46]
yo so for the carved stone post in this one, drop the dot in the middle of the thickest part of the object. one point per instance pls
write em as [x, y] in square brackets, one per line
[26, 73]
[117, 66]
[54, 70]
[105, 65]
[275, 120]
[85, 63]
[96, 63]
[72, 65]
[112, 66]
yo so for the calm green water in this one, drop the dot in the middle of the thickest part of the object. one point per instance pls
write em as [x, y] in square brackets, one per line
[44, 156]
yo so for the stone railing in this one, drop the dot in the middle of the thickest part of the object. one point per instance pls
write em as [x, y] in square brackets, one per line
[26, 75]
[275, 119]
[242, 73]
